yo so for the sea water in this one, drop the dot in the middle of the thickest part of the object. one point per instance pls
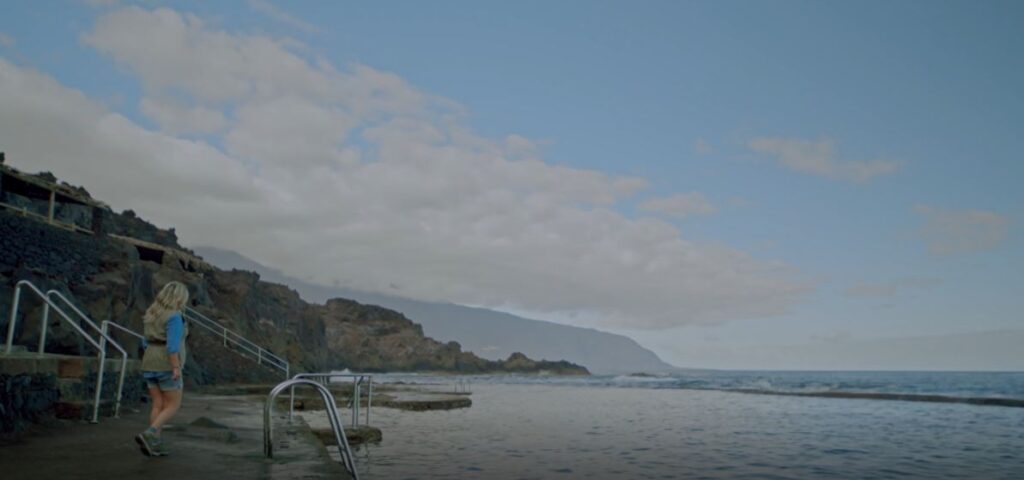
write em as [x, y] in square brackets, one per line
[693, 425]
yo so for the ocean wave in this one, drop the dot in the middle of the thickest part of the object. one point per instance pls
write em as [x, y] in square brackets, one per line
[644, 379]
[975, 388]
[906, 397]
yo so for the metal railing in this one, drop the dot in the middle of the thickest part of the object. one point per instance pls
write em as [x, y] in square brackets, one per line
[357, 380]
[461, 386]
[50, 299]
[108, 323]
[103, 340]
[49, 303]
[263, 356]
[332, 416]
[104, 327]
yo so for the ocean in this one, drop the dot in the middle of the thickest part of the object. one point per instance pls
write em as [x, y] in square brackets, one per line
[704, 424]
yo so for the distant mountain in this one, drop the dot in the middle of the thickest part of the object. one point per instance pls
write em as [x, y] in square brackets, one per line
[488, 333]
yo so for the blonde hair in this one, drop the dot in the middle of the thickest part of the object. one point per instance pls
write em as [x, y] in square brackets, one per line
[171, 299]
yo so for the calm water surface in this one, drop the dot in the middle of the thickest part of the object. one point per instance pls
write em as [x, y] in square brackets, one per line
[536, 430]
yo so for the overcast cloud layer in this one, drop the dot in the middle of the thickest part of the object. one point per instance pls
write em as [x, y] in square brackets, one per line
[351, 176]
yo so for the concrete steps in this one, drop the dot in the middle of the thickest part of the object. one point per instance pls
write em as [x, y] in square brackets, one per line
[63, 385]
[81, 409]
[62, 366]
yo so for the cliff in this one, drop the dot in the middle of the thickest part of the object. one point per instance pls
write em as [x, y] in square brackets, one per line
[116, 270]
[488, 333]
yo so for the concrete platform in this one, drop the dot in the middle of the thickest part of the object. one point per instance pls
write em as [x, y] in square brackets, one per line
[422, 400]
[212, 437]
[63, 366]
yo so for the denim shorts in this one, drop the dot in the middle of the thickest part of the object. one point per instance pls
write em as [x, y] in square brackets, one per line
[162, 380]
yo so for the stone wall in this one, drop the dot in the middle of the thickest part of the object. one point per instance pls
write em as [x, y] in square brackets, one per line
[25, 399]
[50, 258]
[28, 244]
[130, 225]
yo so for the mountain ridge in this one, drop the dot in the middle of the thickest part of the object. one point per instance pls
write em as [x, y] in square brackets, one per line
[488, 333]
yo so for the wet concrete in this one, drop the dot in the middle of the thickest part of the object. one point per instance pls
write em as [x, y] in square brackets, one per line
[422, 400]
[226, 443]
[354, 435]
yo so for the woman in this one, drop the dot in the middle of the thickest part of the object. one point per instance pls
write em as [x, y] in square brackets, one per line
[164, 330]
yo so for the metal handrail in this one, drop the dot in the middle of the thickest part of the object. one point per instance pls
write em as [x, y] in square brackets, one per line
[461, 386]
[266, 353]
[51, 304]
[120, 381]
[104, 338]
[118, 326]
[357, 380]
[262, 355]
[332, 416]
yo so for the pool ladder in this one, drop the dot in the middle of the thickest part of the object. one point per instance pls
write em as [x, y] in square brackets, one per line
[332, 415]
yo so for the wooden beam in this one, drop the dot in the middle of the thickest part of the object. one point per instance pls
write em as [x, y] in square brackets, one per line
[53, 204]
[23, 211]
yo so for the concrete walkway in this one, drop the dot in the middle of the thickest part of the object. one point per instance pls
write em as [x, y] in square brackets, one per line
[231, 446]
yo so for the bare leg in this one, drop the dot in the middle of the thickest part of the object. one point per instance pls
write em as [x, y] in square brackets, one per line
[171, 404]
[157, 398]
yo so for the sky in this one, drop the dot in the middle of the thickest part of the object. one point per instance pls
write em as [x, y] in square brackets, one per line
[732, 184]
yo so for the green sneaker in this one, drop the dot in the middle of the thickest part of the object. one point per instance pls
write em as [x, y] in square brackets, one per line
[160, 450]
[149, 443]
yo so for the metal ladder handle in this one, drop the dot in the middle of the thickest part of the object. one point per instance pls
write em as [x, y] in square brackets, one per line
[104, 338]
[326, 377]
[357, 396]
[354, 399]
[291, 401]
[340, 437]
[369, 399]
[332, 414]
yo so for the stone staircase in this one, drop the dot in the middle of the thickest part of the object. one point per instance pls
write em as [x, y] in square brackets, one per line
[34, 387]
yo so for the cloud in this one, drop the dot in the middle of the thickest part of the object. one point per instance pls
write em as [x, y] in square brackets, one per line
[174, 118]
[820, 158]
[171, 50]
[102, 3]
[279, 15]
[949, 232]
[357, 175]
[984, 351]
[892, 288]
[6, 41]
[680, 205]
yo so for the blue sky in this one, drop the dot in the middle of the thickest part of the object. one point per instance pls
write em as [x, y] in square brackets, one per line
[767, 113]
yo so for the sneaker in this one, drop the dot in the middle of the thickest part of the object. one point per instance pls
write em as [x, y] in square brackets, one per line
[148, 443]
[159, 450]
